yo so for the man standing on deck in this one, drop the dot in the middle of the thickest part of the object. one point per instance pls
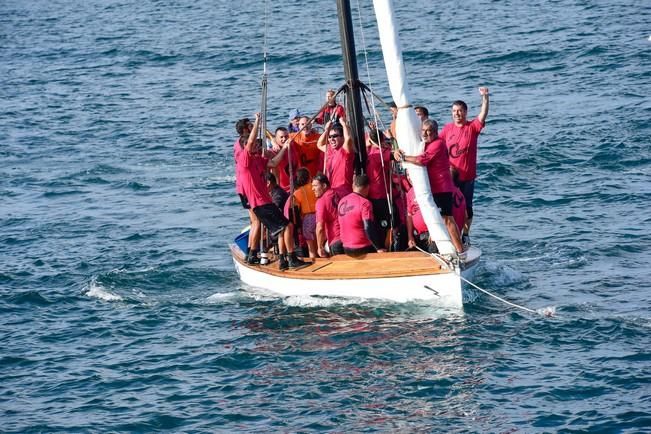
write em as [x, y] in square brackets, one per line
[435, 158]
[358, 233]
[254, 164]
[332, 111]
[338, 155]
[308, 152]
[460, 137]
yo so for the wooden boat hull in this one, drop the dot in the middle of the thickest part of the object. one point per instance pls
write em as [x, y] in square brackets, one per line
[398, 277]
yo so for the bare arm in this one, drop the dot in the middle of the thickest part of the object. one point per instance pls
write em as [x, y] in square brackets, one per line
[411, 242]
[320, 239]
[348, 141]
[253, 135]
[483, 112]
[322, 143]
[275, 161]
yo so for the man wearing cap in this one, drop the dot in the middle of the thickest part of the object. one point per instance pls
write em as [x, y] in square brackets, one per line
[294, 116]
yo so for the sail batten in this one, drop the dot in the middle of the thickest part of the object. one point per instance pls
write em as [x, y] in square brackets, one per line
[408, 124]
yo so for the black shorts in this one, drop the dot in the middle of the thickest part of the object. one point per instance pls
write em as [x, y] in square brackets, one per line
[468, 190]
[360, 251]
[444, 202]
[337, 248]
[382, 215]
[245, 201]
[271, 217]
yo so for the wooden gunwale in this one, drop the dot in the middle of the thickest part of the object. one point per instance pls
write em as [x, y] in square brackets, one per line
[369, 266]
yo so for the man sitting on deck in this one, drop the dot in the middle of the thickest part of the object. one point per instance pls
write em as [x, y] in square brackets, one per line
[327, 224]
[358, 233]
[253, 165]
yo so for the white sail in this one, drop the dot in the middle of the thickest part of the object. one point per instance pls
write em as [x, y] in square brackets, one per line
[408, 124]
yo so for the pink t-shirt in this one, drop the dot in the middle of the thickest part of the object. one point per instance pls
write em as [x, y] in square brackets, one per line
[237, 150]
[435, 157]
[462, 147]
[339, 167]
[458, 208]
[353, 210]
[326, 213]
[254, 185]
[414, 211]
[374, 167]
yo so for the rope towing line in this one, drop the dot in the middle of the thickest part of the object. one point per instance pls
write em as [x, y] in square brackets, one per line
[547, 312]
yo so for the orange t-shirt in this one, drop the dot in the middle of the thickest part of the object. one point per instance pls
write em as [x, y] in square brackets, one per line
[305, 199]
[308, 152]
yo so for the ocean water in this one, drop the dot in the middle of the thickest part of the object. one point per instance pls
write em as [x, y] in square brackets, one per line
[120, 309]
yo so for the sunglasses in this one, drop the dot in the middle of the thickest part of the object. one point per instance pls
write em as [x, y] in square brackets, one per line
[334, 136]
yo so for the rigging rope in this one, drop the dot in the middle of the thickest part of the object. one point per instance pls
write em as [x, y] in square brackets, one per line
[387, 183]
[546, 311]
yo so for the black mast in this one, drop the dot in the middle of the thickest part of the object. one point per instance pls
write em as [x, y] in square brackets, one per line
[354, 100]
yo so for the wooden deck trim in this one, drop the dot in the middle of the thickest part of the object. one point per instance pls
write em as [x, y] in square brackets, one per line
[370, 266]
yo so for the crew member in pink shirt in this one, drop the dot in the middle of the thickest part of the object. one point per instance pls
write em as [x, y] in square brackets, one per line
[378, 169]
[358, 233]
[290, 162]
[460, 137]
[243, 128]
[417, 233]
[337, 147]
[435, 158]
[254, 186]
[327, 223]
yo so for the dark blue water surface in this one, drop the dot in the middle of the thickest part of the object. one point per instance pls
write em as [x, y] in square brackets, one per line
[120, 309]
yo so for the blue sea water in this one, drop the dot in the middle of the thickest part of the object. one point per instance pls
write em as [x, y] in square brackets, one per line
[120, 310]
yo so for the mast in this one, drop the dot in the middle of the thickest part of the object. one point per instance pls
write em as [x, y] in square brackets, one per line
[354, 100]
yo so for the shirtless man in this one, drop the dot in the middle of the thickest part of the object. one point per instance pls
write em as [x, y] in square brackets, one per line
[337, 147]
[460, 137]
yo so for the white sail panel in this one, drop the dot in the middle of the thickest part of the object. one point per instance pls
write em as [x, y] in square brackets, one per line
[408, 124]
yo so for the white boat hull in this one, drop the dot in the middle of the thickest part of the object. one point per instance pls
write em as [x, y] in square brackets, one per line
[442, 289]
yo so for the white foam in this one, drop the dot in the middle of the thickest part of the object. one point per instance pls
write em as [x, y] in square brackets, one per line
[310, 301]
[96, 290]
[221, 296]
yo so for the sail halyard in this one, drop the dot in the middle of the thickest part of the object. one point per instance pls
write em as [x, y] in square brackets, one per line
[408, 124]
[353, 95]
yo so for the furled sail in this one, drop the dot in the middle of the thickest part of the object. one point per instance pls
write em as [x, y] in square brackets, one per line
[408, 124]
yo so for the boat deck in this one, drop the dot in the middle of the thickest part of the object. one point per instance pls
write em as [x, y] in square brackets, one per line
[369, 266]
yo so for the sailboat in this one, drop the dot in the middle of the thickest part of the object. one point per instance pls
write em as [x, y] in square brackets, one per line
[394, 276]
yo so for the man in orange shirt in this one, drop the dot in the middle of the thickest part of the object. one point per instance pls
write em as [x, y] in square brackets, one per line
[308, 153]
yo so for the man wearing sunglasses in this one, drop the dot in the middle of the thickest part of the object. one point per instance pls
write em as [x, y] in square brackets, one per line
[337, 147]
